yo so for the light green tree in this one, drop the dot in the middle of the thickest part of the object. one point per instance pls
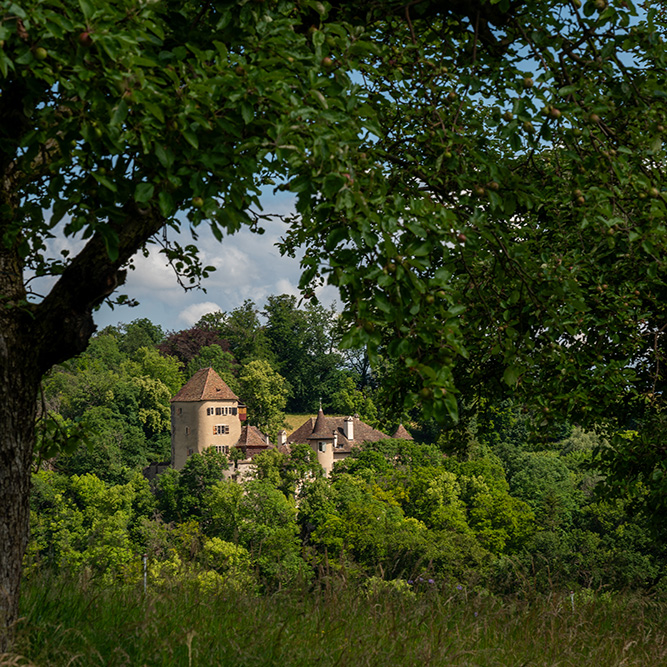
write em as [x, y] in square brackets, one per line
[265, 393]
[147, 361]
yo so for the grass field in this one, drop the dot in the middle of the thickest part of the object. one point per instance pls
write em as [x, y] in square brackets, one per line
[294, 421]
[73, 623]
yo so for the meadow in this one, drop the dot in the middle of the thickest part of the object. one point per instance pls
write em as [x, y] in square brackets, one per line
[68, 622]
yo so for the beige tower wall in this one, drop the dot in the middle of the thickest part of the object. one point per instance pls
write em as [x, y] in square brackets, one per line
[326, 458]
[192, 429]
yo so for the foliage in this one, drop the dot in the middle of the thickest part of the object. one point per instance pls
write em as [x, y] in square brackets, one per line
[80, 522]
[454, 165]
[182, 494]
[187, 344]
[262, 520]
[301, 341]
[265, 393]
[349, 400]
[244, 332]
[288, 472]
[213, 356]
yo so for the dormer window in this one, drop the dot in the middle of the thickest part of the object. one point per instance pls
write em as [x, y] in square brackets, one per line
[322, 446]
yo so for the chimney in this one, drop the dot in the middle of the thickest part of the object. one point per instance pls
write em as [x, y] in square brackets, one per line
[282, 437]
[349, 428]
[335, 439]
[267, 440]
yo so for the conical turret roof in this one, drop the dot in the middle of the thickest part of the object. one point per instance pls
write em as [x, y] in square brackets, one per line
[205, 385]
[320, 429]
[402, 433]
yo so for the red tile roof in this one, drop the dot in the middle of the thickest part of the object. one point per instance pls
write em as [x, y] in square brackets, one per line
[251, 436]
[205, 385]
[324, 427]
[252, 442]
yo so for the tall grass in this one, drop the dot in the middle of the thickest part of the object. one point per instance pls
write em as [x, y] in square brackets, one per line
[78, 623]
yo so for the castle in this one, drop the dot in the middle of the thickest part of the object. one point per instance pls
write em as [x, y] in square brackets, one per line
[206, 413]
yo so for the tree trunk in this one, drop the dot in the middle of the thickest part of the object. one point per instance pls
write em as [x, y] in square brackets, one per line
[19, 381]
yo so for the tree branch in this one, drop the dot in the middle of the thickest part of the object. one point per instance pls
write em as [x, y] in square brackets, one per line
[63, 322]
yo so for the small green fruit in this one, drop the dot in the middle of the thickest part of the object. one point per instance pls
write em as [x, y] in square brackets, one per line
[41, 53]
[197, 202]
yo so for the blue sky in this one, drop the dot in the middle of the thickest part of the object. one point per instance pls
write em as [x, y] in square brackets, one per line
[248, 266]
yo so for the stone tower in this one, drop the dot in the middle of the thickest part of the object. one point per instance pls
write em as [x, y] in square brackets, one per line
[204, 413]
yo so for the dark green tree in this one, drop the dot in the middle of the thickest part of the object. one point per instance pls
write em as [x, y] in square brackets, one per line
[454, 165]
[246, 334]
[301, 340]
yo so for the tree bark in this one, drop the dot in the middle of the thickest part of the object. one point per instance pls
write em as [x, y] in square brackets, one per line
[19, 381]
[34, 337]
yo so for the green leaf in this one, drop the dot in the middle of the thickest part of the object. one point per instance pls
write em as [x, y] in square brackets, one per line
[87, 9]
[165, 203]
[191, 138]
[143, 192]
[247, 113]
[511, 375]
[452, 406]
[119, 113]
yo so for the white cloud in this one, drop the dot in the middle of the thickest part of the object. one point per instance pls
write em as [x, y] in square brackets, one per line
[248, 266]
[285, 286]
[193, 313]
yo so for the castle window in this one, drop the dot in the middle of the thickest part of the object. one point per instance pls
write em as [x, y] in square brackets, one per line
[179, 411]
[233, 410]
[221, 449]
[220, 429]
[190, 451]
[322, 446]
[187, 430]
[209, 411]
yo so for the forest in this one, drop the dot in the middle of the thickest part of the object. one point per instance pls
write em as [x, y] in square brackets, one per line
[501, 499]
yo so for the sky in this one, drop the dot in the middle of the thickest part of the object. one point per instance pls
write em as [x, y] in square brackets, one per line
[248, 266]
